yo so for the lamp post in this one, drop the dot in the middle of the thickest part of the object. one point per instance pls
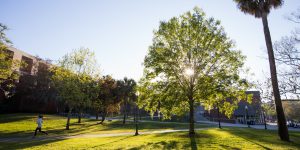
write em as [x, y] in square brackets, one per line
[136, 118]
[247, 117]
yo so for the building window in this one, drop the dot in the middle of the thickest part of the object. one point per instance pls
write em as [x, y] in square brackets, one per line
[9, 55]
[26, 64]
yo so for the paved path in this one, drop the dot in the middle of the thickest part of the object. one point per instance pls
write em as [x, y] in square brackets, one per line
[30, 138]
[269, 126]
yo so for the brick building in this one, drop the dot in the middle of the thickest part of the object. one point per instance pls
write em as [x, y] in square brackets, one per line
[30, 99]
[253, 111]
[33, 63]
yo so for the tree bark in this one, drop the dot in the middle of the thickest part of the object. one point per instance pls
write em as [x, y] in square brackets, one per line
[191, 119]
[281, 121]
[68, 120]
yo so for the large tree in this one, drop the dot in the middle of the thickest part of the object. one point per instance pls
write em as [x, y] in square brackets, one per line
[74, 79]
[67, 85]
[189, 57]
[261, 9]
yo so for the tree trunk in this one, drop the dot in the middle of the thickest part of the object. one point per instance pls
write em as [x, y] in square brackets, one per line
[281, 121]
[103, 117]
[192, 120]
[68, 120]
[219, 117]
[125, 111]
[79, 116]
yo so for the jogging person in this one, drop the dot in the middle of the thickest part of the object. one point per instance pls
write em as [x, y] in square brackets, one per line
[39, 127]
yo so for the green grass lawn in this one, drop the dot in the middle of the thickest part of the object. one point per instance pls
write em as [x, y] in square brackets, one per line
[212, 138]
[20, 125]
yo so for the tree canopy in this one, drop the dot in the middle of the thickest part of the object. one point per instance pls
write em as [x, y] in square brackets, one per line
[190, 59]
[74, 78]
[258, 7]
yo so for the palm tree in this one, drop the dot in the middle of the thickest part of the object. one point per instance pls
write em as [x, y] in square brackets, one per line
[261, 9]
[127, 90]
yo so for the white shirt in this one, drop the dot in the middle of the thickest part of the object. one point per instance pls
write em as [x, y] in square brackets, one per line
[39, 122]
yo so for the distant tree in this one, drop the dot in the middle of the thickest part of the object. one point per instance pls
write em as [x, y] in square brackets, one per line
[190, 55]
[287, 53]
[127, 91]
[290, 109]
[261, 9]
[266, 92]
[90, 92]
[107, 96]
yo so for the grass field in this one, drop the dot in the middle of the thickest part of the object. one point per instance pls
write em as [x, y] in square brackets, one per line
[212, 138]
[20, 125]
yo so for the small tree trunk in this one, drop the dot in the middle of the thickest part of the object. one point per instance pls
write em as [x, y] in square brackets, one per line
[281, 121]
[192, 120]
[125, 111]
[79, 116]
[265, 120]
[68, 120]
[103, 117]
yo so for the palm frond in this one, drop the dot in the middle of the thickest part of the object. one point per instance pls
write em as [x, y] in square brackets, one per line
[258, 7]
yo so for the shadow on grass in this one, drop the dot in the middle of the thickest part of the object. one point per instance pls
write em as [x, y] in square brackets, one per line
[193, 140]
[112, 142]
[15, 134]
[187, 141]
[27, 144]
[158, 145]
[229, 147]
[259, 137]
[6, 118]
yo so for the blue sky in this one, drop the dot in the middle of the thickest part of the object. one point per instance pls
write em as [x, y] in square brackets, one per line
[119, 32]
